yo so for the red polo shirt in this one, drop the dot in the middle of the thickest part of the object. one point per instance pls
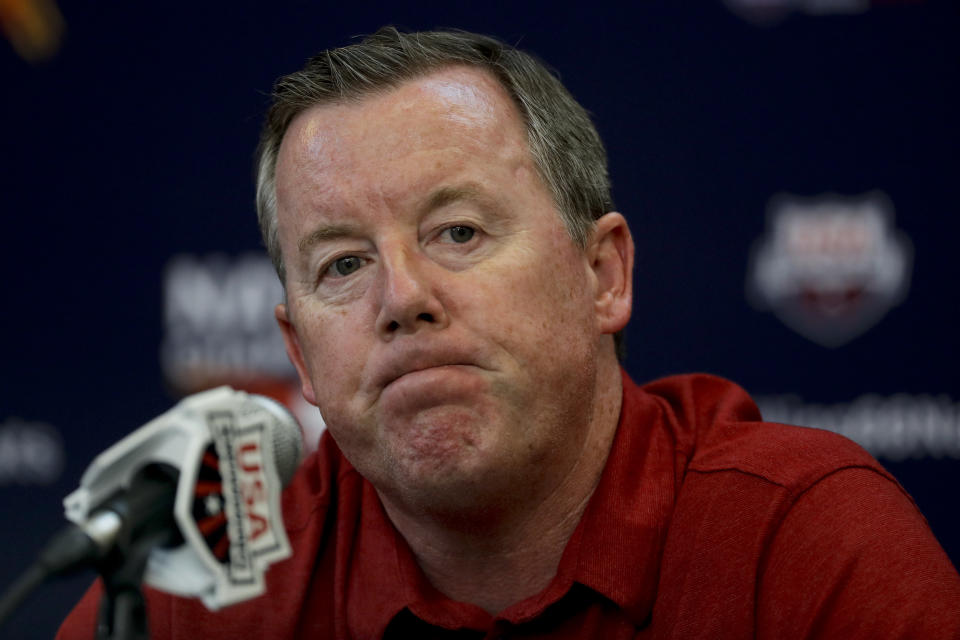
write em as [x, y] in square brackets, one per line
[706, 523]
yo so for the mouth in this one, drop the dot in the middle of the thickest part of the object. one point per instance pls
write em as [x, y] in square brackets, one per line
[439, 386]
[435, 367]
[404, 365]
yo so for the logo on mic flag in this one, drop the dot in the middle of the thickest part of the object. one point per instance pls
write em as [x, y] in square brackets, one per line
[251, 516]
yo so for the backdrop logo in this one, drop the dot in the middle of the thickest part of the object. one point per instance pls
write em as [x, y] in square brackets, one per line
[219, 329]
[895, 427]
[830, 267]
[31, 453]
[218, 321]
[770, 12]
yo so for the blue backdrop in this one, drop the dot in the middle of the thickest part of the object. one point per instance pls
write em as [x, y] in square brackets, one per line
[825, 134]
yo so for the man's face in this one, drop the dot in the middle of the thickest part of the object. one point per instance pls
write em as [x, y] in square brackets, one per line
[438, 312]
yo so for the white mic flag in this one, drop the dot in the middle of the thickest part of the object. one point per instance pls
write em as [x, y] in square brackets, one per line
[234, 452]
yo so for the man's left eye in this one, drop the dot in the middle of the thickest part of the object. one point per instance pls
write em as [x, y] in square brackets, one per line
[460, 233]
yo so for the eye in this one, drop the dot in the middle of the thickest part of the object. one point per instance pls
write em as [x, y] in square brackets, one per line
[344, 266]
[460, 233]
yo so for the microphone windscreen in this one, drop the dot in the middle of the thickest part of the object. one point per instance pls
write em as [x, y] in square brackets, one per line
[287, 438]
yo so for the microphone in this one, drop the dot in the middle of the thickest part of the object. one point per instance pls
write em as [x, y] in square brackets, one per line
[198, 488]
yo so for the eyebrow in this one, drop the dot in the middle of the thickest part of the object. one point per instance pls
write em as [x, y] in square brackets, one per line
[448, 195]
[323, 234]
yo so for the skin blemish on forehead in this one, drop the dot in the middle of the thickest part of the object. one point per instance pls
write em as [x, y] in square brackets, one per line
[466, 100]
[314, 139]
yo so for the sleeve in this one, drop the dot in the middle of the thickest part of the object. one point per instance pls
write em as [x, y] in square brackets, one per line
[81, 622]
[854, 558]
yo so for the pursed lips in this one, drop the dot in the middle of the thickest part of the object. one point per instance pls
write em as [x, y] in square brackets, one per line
[397, 367]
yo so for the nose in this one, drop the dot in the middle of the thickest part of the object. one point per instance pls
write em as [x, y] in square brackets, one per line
[408, 296]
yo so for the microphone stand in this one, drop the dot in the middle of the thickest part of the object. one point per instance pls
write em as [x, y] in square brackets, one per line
[150, 523]
[123, 612]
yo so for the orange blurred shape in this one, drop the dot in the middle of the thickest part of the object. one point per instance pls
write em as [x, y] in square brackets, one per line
[34, 27]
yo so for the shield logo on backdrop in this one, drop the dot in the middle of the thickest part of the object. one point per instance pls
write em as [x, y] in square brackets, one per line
[830, 267]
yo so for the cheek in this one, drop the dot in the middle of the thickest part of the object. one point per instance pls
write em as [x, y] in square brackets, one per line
[538, 301]
[553, 290]
[333, 355]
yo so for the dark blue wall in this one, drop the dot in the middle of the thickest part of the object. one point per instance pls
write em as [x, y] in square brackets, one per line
[134, 144]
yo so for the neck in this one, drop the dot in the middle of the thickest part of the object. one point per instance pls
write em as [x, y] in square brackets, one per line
[496, 556]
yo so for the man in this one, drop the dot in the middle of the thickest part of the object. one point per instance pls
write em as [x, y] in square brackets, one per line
[438, 209]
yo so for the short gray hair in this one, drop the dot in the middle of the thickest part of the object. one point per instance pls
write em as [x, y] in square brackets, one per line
[565, 146]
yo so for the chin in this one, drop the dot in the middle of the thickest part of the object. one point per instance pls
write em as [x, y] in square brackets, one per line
[446, 458]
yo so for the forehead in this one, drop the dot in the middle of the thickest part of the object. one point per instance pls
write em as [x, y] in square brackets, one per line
[432, 122]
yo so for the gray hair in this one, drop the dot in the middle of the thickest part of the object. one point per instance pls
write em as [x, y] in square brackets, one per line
[565, 146]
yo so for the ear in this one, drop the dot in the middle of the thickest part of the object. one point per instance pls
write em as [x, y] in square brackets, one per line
[294, 352]
[611, 261]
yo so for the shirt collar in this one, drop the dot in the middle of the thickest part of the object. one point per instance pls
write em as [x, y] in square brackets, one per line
[618, 544]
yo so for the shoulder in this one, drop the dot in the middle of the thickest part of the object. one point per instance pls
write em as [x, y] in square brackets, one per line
[854, 558]
[790, 531]
[718, 427]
